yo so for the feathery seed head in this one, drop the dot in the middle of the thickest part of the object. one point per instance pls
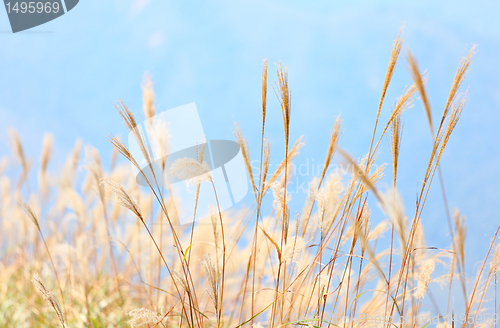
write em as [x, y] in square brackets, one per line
[148, 97]
[190, 170]
[496, 260]
[50, 297]
[292, 250]
[143, 318]
[124, 199]
[213, 276]
[424, 277]
[393, 206]
[279, 203]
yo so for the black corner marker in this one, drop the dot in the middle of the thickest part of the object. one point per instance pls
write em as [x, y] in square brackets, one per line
[26, 14]
[70, 4]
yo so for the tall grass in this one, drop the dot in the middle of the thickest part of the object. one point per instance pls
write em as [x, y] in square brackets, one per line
[117, 256]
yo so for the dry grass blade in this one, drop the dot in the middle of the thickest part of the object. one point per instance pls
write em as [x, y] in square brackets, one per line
[18, 148]
[49, 297]
[246, 156]
[294, 151]
[35, 220]
[264, 94]
[131, 125]
[213, 276]
[334, 138]
[359, 173]
[44, 162]
[148, 97]
[403, 102]
[124, 199]
[31, 215]
[461, 232]
[460, 75]
[469, 304]
[396, 49]
[456, 112]
[283, 94]
[123, 149]
[265, 167]
[396, 135]
[19, 154]
[495, 260]
[419, 82]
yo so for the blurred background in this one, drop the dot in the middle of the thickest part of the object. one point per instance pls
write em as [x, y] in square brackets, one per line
[65, 77]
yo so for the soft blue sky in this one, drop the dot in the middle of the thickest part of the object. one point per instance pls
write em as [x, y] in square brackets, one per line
[211, 52]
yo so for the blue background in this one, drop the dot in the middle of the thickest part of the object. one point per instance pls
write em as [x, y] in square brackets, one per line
[65, 76]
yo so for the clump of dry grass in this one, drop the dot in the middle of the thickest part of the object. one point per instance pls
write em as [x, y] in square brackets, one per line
[119, 258]
[144, 318]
